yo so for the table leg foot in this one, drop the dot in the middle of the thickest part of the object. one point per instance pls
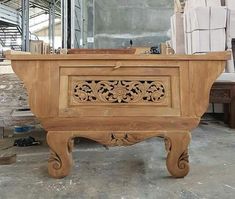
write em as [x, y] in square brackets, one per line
[60, 161]
[177, 158]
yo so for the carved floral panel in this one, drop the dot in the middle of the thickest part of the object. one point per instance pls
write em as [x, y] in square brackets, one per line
[118, 91]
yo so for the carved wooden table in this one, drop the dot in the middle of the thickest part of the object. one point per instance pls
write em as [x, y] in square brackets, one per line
[118, 100]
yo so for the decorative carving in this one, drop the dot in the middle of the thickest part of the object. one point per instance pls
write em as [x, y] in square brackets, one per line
[178, 158]
[60, 161]
[183, 160]
[55, 161]
[118, 91]
[122, 139]
[220, 94]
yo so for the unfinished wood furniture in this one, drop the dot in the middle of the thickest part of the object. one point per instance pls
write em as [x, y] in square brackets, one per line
[224, 93]
[118, 100]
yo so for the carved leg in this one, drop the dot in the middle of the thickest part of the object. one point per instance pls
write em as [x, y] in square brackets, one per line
[177, 158]
[60, 161]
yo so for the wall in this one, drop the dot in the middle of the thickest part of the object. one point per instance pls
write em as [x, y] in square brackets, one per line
[43, 35]
[146, 22]
[44, 32]
[113, 23]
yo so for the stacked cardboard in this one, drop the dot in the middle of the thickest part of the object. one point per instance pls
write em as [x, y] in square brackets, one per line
[202, 3]
[199, 27]
[203, 26]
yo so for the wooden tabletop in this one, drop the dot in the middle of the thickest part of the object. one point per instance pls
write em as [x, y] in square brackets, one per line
[218, 56]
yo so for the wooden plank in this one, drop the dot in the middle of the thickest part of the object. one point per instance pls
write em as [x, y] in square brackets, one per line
[134, 124]
[206, 57]
[8, 159]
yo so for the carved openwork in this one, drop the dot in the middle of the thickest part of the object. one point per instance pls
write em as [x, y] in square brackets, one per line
[118, 91]
[122, 139]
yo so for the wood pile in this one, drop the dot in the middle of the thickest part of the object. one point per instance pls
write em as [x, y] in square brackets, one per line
[39, 47]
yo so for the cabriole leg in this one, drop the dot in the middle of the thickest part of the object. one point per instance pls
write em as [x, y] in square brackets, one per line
[177, 158]
[60, 161]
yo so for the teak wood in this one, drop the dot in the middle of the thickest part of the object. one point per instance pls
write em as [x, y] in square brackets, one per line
[118, 100]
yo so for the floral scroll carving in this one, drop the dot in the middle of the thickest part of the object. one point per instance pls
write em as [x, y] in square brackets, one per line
[57, 161]
[122, 139]
[178, 157]
[118, 91]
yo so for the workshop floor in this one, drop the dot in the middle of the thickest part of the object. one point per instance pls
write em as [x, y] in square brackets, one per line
[128, 173]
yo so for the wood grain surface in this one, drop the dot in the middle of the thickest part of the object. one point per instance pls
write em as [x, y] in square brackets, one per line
[119, 99]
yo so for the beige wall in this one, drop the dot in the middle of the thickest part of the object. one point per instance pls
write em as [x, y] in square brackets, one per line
[44, 32]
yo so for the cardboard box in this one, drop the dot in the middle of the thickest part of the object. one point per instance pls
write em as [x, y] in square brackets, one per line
[230, 4]
[218, 17]
[205, 18]
[199, 19]
[218, 40]
[200, 41]
[203, 3]
[203, 41]
[213, 3]
[187, 24]
[188, 43]
[195, 3]
[177, 29]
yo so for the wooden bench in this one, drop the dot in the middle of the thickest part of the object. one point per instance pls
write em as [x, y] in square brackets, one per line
[224, 93]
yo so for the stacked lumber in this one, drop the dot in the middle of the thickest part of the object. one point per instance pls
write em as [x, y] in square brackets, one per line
[39, 47]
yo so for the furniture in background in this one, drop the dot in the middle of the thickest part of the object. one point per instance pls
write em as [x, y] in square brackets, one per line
[118, 100]
[233, 48]
[224, 93]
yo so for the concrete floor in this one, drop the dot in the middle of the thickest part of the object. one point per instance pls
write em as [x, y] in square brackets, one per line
[128, 173]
